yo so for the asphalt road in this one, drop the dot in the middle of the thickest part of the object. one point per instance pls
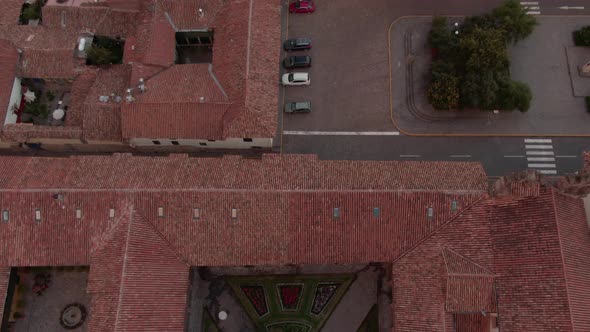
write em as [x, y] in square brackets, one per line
[499, 155]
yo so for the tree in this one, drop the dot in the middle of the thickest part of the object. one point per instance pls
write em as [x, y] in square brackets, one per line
[444, 92]
[484, 49]
[442, 39]
[514, 95]
[99, 55]
[513, 20]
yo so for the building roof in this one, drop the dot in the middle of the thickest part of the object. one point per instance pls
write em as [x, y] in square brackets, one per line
[8, 61]
[245, 60]
[456, 252]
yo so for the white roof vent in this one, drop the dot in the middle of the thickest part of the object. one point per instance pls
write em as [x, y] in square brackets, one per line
[129, 98]
[202, 99]
[201, 12]
[103, 99]
[141, 85]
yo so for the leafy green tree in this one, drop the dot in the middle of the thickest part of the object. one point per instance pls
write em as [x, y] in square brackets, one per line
[514, 95]
[99, 55]
[582, 36]
[513, 20]
[444, 92]
[484, 49]
[488, 90]
[442, 38]
[440, 68]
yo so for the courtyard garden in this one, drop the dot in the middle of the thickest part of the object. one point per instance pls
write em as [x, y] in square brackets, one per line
[471, 67]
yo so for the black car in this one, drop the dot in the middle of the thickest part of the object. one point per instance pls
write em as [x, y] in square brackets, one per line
[298, 61]
[297, 44]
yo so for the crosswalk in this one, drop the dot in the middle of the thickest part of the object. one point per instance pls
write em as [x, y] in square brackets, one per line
[531, 7]
[539, 155]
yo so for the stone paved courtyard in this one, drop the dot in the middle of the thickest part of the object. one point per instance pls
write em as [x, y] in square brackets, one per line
[42, 312]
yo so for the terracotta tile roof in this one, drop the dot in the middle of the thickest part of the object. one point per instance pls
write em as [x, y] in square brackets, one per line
[24, 132]
[10, 12]
[141, 306]
[575, 246]
[259, 118]
[173, 120]
[171, 106]
[471, 323]
[102, 120]
[4, 278]
[8, 61]
[100, 20]
[35, 64]
[161, 49]
[184, 13]
[80, 89]
[586, 157]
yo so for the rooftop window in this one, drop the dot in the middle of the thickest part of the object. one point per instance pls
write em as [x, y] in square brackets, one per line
[5, 216]
[234, 213]
[336, 212]
[194, 47]
[196, 213]
[112, 213]
[430, 212]
[37, 215]
[376, 212]
[78, 213]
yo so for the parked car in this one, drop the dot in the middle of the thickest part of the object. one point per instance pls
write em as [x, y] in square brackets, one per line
[297, 44]
[298, 107]
[302, 6]
[295, 79]
[297, 61]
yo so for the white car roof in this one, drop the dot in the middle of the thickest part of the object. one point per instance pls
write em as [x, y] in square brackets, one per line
[300, 76]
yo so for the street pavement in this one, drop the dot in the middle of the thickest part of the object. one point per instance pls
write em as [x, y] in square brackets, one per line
[343, 133]
[499, 155]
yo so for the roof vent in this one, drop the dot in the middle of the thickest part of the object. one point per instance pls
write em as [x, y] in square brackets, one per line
[336, 212]
[234, 213]
[454, 205]
[37, 215]
[196, 213]
[430, 212]
[201, 12]
[202, 99]
[129, 98]
[160, 212]
[5, 216]
[376, 212]
[103, 99]
[141, 85]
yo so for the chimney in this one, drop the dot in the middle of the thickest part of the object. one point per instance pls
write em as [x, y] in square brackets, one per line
[201, 12]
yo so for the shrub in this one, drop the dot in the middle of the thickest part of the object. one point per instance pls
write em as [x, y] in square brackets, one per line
[582, 36]
[512, 18]
[98, 55]
[444, 93]
[442, 39]
[50, 95]
[587, 104]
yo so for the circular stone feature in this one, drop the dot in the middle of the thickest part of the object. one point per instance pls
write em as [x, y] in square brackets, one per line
[222, 315]
[72, 316]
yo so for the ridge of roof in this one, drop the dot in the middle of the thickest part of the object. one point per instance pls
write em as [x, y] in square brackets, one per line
[441, 227]
[465, 266]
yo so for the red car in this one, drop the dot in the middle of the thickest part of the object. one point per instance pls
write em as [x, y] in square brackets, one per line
[302, 6]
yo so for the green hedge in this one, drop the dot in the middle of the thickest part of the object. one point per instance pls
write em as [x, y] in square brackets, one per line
[582, 36]
[588, 104]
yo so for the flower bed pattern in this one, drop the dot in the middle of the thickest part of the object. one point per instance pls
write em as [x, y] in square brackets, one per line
[289, 295]
[323, 294]
[256, 297]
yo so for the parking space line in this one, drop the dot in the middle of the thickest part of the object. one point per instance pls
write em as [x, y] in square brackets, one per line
[460, 156]
[342, 133]
[409, 155]
[566, 156]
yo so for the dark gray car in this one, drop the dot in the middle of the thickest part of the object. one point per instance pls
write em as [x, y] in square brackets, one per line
[299, 61]
[297, 44]
[298, 107]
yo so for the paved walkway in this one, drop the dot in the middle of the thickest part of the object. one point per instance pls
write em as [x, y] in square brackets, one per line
[540, 61]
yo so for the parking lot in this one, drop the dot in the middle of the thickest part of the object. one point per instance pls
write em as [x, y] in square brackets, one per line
[348, 89]
[349, 73]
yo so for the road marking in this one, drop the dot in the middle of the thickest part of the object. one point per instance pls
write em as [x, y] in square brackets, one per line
[409, 155]
[547, 171]
[513, 156]
[566, 156]
[540, 159]
[539, 153]
[537, 140]
[545, 147]
[533, 13]
[526, 3]
[343, 133]
[570, 7]
[460, 156]
[541, 165]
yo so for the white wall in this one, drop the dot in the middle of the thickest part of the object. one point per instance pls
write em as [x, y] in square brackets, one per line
[230, 143]
[15, 98]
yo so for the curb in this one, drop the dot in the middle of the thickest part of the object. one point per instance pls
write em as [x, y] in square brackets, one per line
[407, 133]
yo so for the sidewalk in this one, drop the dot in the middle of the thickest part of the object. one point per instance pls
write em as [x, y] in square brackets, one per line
[540, 61]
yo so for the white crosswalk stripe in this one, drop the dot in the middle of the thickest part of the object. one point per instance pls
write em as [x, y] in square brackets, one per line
[531, 7]
[539, 155]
